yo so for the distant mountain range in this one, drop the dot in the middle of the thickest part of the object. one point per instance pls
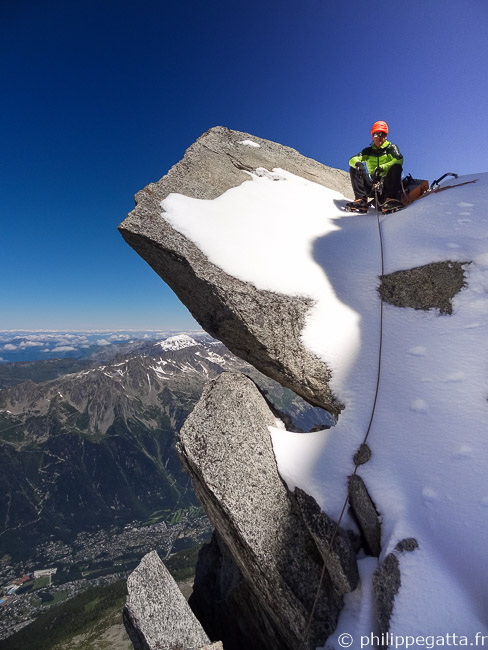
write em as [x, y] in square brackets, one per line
[86, 443]
[28, 345]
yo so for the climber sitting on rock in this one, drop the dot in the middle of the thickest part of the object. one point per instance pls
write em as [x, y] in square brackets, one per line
[384, 162]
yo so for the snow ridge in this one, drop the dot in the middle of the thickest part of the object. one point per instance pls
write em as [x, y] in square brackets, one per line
[427, 474]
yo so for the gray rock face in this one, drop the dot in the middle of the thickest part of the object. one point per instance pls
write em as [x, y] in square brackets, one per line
[261, 327]
[156, 615]
[365, 514]
[409, 545]
[386, 583]
[226, 447]
[334, 546]
[432, 286]
[363, 454]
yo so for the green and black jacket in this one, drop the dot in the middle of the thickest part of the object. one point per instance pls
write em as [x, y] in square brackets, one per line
[384, 157]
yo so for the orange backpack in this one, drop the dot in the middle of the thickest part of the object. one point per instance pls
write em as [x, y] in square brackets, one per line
[413, 189]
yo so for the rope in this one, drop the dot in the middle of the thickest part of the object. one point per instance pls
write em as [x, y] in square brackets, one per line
[377, 202]
[356, 463]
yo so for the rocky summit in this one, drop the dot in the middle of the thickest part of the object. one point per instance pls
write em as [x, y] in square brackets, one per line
[261, 327]
[260, 583]
[276, 270]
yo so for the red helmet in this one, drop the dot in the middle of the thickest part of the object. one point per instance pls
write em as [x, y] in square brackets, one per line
[379, 126]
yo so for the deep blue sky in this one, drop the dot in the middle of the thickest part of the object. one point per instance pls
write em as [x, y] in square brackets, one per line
[101, 97]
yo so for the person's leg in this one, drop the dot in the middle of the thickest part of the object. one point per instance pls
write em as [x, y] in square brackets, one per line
[392, 183]
[360, 181]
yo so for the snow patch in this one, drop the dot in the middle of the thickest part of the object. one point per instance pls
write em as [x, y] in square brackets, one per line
[213, 357]
[177, 342]
[250, 143]
[158, 368]
[280, 424]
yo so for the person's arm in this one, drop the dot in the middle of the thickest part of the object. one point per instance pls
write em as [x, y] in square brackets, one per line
[356, 159]
[396, 158]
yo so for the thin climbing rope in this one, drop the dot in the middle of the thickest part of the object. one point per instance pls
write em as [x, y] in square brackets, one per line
[356, 462]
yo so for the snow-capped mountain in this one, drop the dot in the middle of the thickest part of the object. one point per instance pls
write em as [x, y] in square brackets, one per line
[123, 388]
[177, 342]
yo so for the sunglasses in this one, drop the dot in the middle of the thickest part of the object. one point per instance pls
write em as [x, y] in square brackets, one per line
[379, 135]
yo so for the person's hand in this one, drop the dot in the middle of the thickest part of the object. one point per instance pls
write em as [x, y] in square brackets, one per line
[359, 165]
[377, 175]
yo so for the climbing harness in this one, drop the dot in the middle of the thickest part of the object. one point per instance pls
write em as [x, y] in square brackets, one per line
[357, 461]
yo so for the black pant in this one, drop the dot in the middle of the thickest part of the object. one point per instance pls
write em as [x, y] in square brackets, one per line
[363, 187]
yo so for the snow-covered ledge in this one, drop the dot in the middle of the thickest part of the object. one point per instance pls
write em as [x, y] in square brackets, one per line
[271, 264]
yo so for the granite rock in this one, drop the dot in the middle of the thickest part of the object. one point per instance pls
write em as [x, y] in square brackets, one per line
[432, 286]
[261, 327]
[156, 615]
[365, 514]
[226, 448]
[333, 543]
[363, 454]
[407, 545]
[386, 584]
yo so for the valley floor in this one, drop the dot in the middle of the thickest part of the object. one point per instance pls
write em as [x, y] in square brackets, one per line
[93, 560]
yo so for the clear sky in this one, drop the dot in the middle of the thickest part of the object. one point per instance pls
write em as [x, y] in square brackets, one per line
[101, 97]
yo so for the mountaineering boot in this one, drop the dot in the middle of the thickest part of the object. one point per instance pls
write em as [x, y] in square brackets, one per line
[391, 205]
[359, 205]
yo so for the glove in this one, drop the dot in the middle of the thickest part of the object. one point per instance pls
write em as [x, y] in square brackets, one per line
[377, 175]
[359, 165]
